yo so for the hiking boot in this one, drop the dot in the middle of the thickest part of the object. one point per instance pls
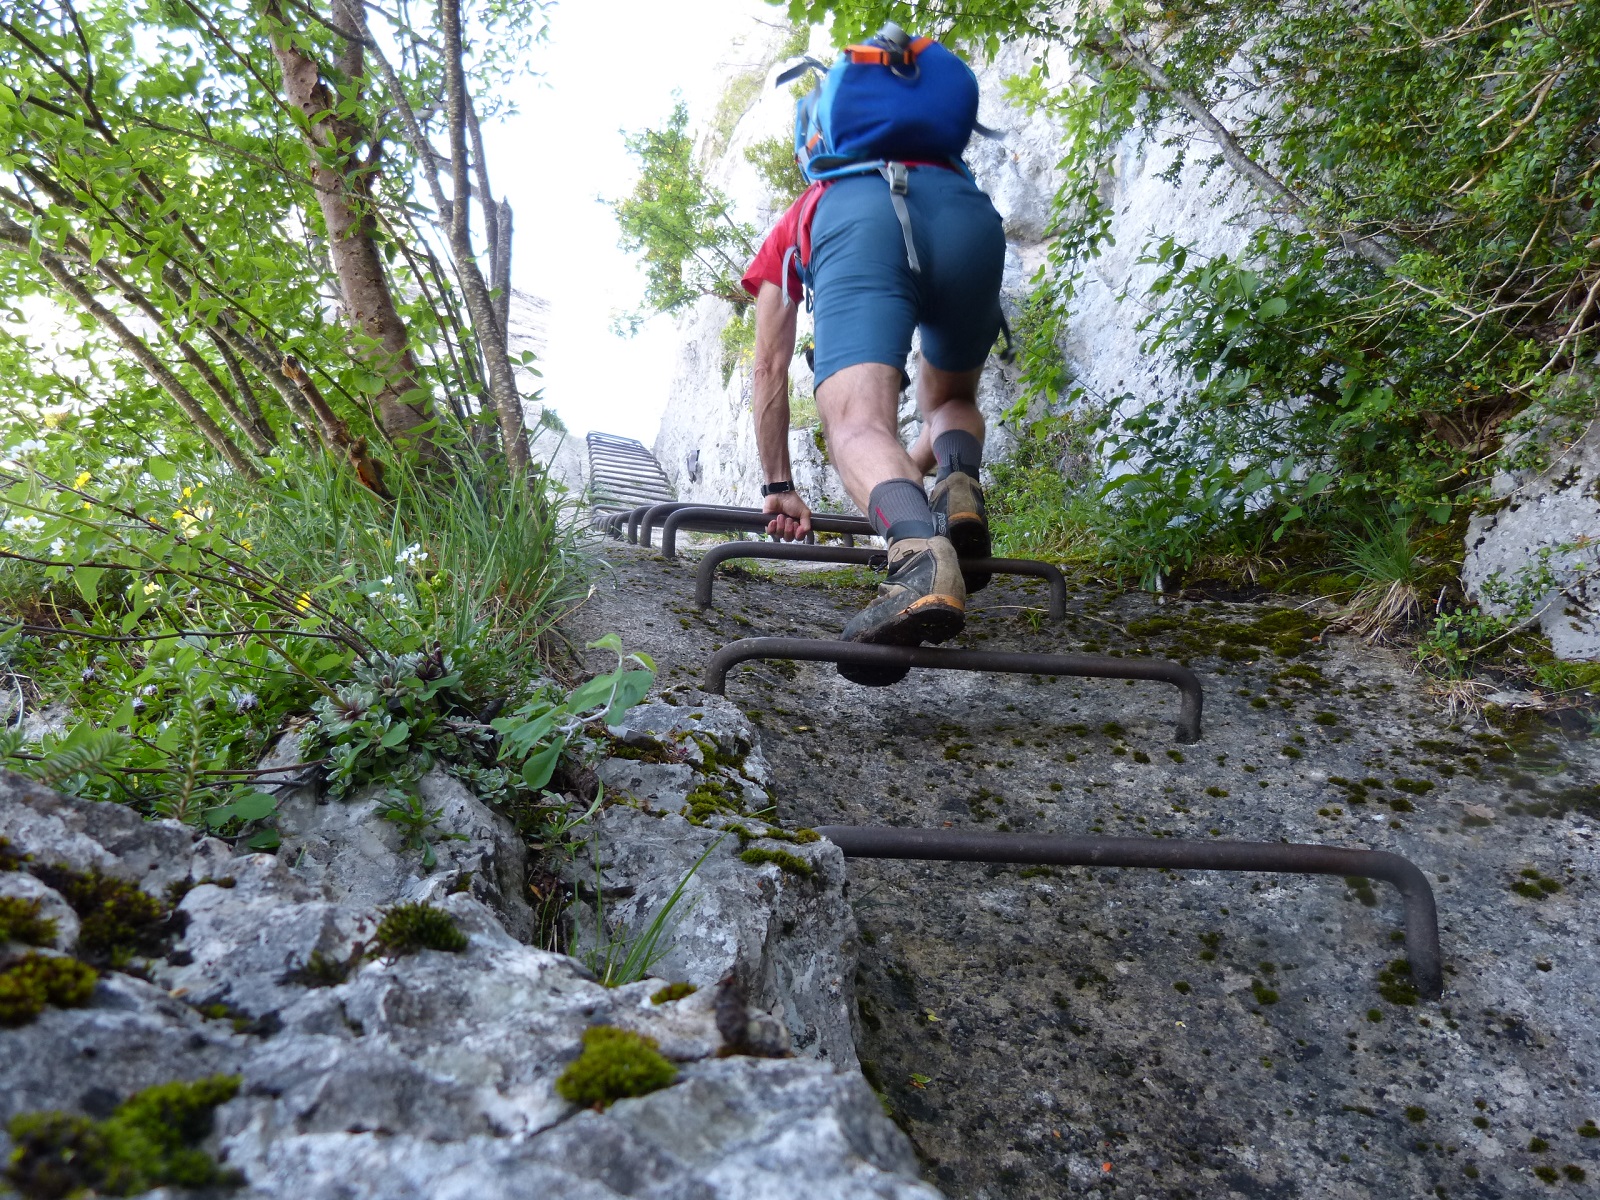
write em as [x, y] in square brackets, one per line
[959, 514]
[922, 600]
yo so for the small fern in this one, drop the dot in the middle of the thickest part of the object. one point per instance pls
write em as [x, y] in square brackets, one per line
[84, 751]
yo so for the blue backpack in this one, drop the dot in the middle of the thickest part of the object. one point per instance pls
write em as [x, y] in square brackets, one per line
[892, 99]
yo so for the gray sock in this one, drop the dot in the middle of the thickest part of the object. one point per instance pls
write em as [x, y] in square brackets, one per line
[898, 508]
[957, 450]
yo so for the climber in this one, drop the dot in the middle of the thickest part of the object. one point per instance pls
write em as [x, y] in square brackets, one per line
[885, 251]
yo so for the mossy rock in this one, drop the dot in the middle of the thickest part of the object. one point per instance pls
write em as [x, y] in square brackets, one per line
[150, 1141]
[23, 921]
[615, 1064]
[117, 921]
[408, 928]
[34, 980]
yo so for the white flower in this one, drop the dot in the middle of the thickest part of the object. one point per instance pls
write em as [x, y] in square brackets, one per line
[27, 446]
[411, 555]
[58, 548]
[28, 524]
[387, 581]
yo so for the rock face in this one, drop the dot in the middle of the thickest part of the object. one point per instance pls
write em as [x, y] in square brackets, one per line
[1206, 1034]
[430, 1074]
[1537, 542]
[784, 929]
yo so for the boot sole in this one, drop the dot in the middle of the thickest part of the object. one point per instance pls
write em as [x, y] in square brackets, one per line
[969, 534]
[931, 619]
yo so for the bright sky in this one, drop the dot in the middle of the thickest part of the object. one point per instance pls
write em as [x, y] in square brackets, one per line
[607, 67]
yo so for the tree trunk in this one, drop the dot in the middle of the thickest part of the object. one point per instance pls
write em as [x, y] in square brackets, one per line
[490, 329]
[343, 184]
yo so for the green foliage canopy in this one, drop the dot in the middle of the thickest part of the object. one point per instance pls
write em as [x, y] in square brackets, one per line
[681, 225]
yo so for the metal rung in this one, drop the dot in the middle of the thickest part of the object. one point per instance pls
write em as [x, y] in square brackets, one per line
[960, 845]
[733, 520]
[1092, 666]
[705, 575]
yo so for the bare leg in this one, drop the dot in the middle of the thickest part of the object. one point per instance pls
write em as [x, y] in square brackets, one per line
[921, 451]
[948, 400]
[858, 407]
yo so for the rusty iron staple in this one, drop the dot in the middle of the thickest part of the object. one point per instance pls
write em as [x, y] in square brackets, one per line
[734, 520]
[961, 845]
[940, 658]
[705, 575]
[634, 517]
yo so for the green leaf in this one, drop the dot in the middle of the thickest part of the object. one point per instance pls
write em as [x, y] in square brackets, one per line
[537, 770]
[254, 806]
[161, 469]
[396, 734]
[87, 579]
[631, 688]
[267, 839]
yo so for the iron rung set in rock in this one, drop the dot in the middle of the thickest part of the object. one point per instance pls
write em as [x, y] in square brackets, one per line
[637, 524]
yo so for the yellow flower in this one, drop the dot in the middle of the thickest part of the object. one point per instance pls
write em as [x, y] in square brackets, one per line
[86, 504]
[150, 589]
[82, 479]
[245, 544]
[187, 492]
[303, 601]
[51, 420]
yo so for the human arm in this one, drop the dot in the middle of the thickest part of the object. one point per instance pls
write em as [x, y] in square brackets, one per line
[775, 339]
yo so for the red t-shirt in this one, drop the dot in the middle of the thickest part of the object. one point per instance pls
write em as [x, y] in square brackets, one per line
[792, 232]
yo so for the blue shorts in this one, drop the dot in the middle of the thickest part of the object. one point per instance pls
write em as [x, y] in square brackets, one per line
[868, 301]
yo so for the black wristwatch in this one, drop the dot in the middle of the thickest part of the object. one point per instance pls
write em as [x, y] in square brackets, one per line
[777, 489]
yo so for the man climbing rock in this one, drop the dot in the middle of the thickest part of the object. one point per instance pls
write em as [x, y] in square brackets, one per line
[887, 245]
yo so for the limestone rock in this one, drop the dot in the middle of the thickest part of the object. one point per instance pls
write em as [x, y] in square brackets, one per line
[19, 885]
[433, 1074]
[1547, 521]
[789, 938]
[351, 853]
[87, 836]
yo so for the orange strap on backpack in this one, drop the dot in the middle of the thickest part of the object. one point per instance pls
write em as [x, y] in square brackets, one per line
[878, 56]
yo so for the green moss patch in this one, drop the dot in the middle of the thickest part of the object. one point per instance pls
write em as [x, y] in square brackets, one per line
[150, 1141]
[1531, 885]
[21, 921]
[408, 928]
[1395, 983]
[673, 991]
[34, 980]
[783, 859]
[117, 921]
[614, 1064]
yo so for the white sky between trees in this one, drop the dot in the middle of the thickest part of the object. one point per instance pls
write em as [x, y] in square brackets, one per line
[609, 66]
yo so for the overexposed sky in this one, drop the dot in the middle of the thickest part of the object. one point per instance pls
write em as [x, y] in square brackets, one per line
[607, 67]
